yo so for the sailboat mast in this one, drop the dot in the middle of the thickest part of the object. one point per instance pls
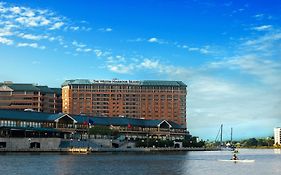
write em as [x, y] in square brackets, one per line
[221, 134]
[231, 136]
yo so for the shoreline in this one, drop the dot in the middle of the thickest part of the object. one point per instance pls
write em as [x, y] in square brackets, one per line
[97, 150]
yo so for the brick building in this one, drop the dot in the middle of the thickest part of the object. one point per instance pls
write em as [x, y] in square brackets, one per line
[16, 96]
[137, 99]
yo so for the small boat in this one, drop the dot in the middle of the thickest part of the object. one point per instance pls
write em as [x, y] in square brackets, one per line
[79, 150]
[236, 161]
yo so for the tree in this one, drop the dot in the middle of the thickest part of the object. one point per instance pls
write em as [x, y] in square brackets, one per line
[103, 130]
[251, 142]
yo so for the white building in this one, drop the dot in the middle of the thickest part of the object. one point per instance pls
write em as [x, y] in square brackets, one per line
[277, 135]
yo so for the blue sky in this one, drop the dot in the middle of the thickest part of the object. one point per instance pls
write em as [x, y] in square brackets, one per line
[227, 52]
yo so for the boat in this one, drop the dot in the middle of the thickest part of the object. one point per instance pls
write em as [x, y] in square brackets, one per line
[79, 150]
[237, 161]
[228, 146]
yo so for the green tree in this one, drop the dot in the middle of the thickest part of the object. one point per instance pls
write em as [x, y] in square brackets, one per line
[251, 142]
[103, 130]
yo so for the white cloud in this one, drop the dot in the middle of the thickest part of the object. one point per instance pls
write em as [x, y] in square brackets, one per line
[32, 37]
[267, 44]
[75, 28]
[193, 49]
[266, 71]
[203, 50]
[262, 28]
[136, 40]
[15, 10]
[153, 40]
[5, 32]
[6, 41]
[20, 22]
[33, 45]
[156, 40]
[108, 29]
[227, 102]
[87, 50]
[80, 47]
[98, 52]
[259, 16]
[120, 64]
[120, 68]
[150, 64]
[75, 43]
[84, 49]
[221, 99]
[29, 13]
[57, 25]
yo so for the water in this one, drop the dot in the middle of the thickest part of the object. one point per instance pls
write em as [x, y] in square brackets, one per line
[173, 163]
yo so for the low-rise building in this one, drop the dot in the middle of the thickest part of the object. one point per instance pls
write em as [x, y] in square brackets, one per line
[38, 124]
[18, 96]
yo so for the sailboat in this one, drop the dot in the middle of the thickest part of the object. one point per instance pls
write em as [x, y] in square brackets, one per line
[227, 147]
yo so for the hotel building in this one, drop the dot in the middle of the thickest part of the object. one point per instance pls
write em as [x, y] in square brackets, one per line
[162, 100]
[16, 96]
[277, 136]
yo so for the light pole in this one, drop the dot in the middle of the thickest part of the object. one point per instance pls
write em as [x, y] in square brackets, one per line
[147, 140]
[29, 140]
[156, 143]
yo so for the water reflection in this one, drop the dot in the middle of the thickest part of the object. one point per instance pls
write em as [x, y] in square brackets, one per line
[277, 151]
[175, 163]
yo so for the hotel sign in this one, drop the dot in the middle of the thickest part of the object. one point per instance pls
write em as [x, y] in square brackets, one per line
[136, 82]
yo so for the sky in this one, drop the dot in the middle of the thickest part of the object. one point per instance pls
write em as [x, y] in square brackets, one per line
[227, 52]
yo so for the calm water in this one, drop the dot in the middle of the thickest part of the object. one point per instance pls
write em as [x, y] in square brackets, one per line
[190, 163]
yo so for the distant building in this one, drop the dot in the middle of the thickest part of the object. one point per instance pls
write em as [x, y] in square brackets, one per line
[16, 96]
[162, 100]
[277, 136]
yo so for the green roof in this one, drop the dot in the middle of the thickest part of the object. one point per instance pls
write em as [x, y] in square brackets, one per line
[77, 81]
[162, 83]
[141, 83]
[27, 115]
[22, 87]
[45, 89]
[57, 90]
[97, 120]
[31, 87]
[124, 121]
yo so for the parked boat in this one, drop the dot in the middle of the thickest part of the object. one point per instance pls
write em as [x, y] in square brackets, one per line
[79, 150]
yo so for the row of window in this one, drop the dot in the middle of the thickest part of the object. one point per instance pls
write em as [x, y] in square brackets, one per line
[124, 87]
[11, 123]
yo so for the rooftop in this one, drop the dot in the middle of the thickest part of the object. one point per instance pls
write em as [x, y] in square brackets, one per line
[130, 82]
[97, 120]
[29, 87]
